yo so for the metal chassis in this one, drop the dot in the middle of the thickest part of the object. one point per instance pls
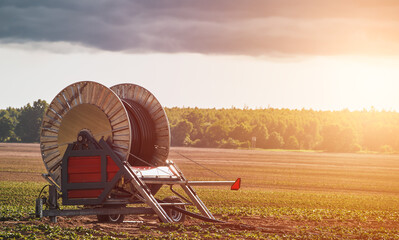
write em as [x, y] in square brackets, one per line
[145, 195]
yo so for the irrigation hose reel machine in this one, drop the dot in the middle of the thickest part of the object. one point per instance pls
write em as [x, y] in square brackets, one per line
[107, 148]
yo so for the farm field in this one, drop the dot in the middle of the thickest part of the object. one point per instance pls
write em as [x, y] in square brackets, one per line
[284, 195]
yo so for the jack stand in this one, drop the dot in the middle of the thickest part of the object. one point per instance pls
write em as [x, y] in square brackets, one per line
[53, 202]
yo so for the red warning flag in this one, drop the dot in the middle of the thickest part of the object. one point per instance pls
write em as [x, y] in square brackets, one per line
[236, 185]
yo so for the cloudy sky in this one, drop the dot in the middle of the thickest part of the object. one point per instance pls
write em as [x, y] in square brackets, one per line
[326, 55]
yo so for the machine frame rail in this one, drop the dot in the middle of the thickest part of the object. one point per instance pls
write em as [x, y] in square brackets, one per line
[111, 170]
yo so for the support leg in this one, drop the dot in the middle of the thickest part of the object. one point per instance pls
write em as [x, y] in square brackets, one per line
[53, 200]
[39, 208]
[148, 197]
[197, 201]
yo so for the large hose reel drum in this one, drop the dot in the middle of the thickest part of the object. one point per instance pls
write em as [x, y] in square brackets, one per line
[127, 116]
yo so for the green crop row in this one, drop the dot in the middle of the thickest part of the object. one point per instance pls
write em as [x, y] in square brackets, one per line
[19, 193]
[199, 231]
[304, 210]
[17, 199]
[30, 231]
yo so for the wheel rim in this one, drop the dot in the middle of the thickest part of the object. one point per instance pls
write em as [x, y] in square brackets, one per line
[114, 217]
[175, 215]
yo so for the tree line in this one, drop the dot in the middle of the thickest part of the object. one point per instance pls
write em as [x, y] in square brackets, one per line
[270, 128]
[22, 124]
[333, 131]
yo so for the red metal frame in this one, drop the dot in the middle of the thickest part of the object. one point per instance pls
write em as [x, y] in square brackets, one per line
[89, 172]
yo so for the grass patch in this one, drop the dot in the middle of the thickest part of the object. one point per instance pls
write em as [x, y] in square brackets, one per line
[27, 231]
[22, 194]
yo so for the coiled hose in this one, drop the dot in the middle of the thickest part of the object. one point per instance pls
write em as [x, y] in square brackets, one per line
[142, 132]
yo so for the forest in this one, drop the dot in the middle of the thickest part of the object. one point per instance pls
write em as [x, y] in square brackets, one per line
[268, 128]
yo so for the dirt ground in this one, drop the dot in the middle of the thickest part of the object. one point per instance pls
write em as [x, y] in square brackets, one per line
[150, 226]
[132, 224]
[258, 168]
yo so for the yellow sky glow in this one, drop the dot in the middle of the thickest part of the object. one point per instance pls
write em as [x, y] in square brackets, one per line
[207, 81]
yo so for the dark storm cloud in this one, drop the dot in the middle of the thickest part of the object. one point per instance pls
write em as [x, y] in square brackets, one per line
[253, 27]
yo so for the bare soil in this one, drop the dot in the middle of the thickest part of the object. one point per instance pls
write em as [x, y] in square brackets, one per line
[150, 226]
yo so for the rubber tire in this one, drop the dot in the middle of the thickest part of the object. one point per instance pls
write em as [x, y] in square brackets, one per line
[102, 218]
[176, 216]
[116, 218]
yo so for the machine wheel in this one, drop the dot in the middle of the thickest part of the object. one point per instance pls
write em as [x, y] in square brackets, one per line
[115, 218]
[102, 218]
[173, 214]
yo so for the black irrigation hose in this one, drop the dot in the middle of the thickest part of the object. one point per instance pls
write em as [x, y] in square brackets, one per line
[46, 202]
[41, 191]
[142, 131]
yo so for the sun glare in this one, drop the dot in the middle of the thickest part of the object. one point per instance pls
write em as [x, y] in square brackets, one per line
[362, 85]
